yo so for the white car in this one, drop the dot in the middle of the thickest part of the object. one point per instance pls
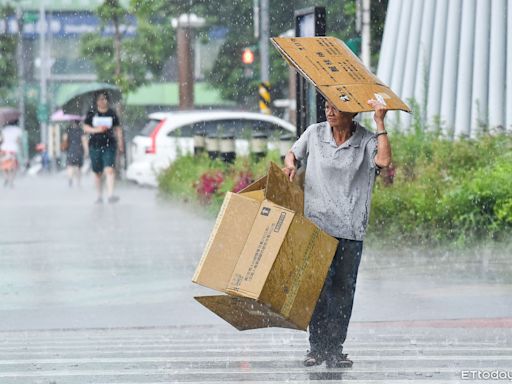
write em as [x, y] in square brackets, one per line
[168, 134]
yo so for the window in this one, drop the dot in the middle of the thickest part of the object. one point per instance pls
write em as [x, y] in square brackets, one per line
[240, 128]
[273, 131]
[149, 127]
[183, 131]
[236, 127]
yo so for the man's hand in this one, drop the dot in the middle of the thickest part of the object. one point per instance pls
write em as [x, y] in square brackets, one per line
[290, 172]
[380, 111]
[102, 129]
[289, 165]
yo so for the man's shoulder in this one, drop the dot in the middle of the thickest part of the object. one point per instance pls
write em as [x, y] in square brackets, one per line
[317, 128]
[365, 133]
[367, 136]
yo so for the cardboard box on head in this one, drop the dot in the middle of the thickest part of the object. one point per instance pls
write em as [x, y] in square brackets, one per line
[337, 73]
[266, 256]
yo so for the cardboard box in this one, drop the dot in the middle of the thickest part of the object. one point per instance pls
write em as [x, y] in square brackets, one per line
[268, 259]
[337, 73]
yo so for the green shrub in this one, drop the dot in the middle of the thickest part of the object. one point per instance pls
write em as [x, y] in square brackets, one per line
[181, 179]
[443, 191]
[446, 191]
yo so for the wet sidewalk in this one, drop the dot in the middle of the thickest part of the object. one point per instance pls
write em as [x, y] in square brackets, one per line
[102, 294]
[213, 355]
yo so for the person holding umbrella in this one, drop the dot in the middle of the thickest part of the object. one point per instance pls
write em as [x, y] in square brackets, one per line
[105, 138]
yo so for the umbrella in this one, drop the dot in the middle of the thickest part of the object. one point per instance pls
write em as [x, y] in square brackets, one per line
[79, 99]
[8, 115]
[60, 116]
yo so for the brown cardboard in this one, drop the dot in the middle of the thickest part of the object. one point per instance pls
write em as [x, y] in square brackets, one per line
[261, 249]
[220, 256]
[244, 313]
[337, 73]
[268, 258]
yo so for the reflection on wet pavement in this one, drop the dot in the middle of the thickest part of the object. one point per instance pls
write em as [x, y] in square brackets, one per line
[117, 278]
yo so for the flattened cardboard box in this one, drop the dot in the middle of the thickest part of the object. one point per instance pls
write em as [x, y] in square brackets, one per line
[337, 73]
[269, 260]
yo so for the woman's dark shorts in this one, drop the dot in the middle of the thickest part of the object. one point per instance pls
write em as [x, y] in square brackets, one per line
[75, 160]
[102, 158]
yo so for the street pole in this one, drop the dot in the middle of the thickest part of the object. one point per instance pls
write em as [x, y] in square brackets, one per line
[256, 18]
[264, 38]
[186, 80]
[184, 26]
[42, 58]
[264, 88]
[21, 80]
[21, 74]
[365, 34]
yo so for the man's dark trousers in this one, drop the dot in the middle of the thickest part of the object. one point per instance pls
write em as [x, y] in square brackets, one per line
[329, 323]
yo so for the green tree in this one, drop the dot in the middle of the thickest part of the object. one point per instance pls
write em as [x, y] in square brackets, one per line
[129, 62]
[237, 15]
[8, 68]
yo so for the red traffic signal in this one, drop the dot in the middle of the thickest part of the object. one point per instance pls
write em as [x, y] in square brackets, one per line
[248, 56]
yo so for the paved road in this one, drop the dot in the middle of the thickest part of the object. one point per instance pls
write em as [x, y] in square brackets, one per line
[213, 355]
[102, 294]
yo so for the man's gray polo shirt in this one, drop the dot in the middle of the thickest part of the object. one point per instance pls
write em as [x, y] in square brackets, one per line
[339, 179]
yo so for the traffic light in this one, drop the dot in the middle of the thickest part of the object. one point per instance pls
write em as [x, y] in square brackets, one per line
[248, 56]
[248, 61]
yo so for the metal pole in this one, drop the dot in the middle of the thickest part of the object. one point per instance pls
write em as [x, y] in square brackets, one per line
[497, 76]
[21, 80]
[411, 65]
[437, 61]
[509, 67]
[451, 65]
[480, 87]
[21, 74]
[389, 38]
[42, 57]
[265, 33]
[256, 18]
[365, 34]
[463, 105]
[424, 57]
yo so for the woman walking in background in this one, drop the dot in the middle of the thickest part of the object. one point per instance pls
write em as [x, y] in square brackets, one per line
[74, 143]
[9, 151]
[105, 138]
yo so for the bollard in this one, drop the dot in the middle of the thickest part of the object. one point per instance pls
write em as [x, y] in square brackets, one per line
[258, 145]
[285, 143]
[227, 148]
[212, 145]
[199, 142]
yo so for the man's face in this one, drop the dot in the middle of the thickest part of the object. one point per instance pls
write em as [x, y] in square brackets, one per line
[335, 117]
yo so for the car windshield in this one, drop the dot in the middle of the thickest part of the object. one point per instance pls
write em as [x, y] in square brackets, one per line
[149, 127]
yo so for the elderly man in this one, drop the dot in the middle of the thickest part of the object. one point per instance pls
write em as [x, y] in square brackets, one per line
[343, 159]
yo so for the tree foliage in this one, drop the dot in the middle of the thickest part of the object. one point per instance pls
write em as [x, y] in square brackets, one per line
[228, 71]
[8, 68]
[142, 57]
